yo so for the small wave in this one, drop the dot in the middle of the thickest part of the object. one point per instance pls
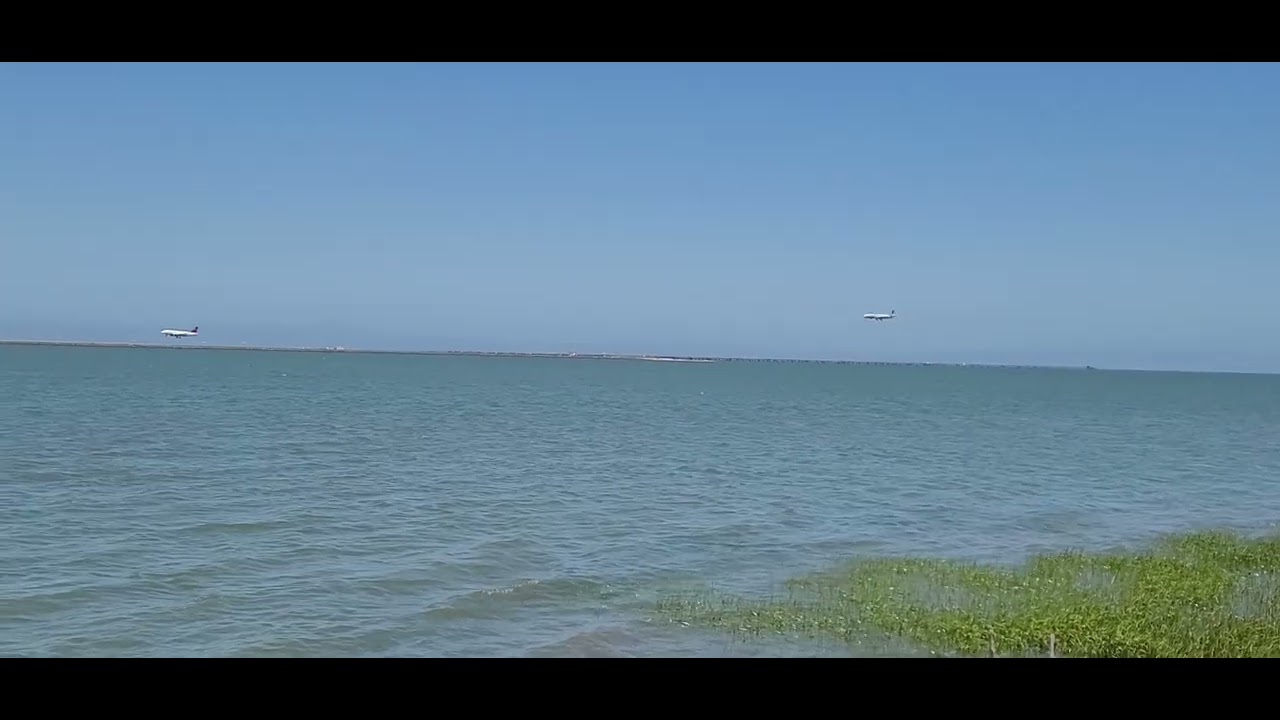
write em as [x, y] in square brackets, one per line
[494, 602]
[248, 526]
[605, 642]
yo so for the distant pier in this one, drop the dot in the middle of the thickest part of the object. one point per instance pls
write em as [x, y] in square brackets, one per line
[684, 359]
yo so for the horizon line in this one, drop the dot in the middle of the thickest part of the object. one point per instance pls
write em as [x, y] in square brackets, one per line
[574, 355]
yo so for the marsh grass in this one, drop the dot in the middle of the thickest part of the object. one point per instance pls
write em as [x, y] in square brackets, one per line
[1206, 594]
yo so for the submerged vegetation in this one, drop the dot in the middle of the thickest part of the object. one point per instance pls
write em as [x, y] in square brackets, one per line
[1207, 594]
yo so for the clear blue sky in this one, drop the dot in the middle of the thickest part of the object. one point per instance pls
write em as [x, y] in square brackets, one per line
[1115, 215]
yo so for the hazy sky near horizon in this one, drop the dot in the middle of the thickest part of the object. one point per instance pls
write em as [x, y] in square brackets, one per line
[1104, 214]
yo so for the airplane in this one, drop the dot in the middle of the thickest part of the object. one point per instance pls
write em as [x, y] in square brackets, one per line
[880, 316]
[181, 333]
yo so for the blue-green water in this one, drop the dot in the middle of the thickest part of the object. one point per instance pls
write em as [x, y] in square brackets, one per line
[157, 502]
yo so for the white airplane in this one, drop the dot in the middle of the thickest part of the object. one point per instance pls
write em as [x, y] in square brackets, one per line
[880, 316]
[181, 333]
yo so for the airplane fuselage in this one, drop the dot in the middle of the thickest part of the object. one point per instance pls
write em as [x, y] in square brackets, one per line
[879, 316]
[169, 332]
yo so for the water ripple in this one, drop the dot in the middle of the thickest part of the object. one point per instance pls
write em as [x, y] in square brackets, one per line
[234, 503]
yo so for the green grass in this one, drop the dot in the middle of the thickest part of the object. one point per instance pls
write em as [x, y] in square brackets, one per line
[1206, 594]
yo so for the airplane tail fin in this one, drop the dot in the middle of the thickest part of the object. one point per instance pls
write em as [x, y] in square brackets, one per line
[195, 329]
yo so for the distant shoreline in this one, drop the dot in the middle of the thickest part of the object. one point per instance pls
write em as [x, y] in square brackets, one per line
[683, 359]
[514, 354]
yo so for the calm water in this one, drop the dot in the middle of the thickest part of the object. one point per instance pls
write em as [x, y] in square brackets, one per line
[155, 502]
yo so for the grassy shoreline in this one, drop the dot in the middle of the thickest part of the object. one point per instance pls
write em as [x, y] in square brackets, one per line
[1200, 594]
